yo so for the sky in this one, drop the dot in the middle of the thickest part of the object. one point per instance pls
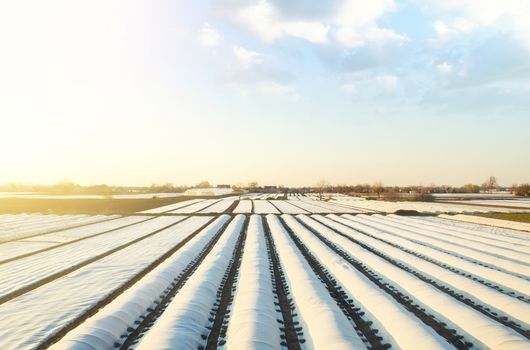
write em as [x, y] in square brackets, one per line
[281, 92]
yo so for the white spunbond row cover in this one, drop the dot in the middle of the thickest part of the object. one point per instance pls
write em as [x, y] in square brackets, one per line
[262, 206]
[312, 206]
[477, 292]
[16, 248]
[170, 207]
[196, 207]
[220, 206]
[40, 224]
[208, 191]
[521, 226]
[492, 241]
[396, 325]
[253, 317]
[109, 323]
[508, 266]
[447, 237]
[243, 207]
[13, 222]
[186, 317]
[88, 230]
[20, 273]
[500, 278]
[339, 208]
[323, 323]
[29, 319]
[477, 256]
[425, 207]
[496, 233]
[481, 330]
[288, 208]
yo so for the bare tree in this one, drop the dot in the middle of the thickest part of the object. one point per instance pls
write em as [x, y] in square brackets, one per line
[252, 186]
[490, 184]
[204, 184]
[521, 190]
[321, 187]
[377, 187]
[471, 188]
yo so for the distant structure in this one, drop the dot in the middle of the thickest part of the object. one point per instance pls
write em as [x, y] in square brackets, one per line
[223, 186]
[270, 189]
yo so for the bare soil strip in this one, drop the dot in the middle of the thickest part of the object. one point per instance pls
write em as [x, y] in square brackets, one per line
[147, 321]
[73, 241]
[109, 298]
[478, 307]
[226, 294]
[290, 326]
[451, 335]
[363, 328]
[445, 266]
[57, 230]
[184, 206]
[232, 207]
[65, 272]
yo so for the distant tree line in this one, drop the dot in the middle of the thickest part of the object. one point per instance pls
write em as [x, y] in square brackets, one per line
[376, 190]
[71, 188]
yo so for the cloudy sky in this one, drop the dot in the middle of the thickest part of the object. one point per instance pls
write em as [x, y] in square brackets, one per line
[281, 92]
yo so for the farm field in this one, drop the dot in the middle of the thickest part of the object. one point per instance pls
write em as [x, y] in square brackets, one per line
[513, 203]
[86, 206]
[426, 207]
[307, 276]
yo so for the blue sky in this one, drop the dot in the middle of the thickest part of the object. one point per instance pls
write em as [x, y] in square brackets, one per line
[282, 92]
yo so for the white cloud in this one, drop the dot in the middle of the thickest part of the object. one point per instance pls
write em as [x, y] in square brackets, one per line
[444, 67]
[452, 29]
[352, 23]
[509, 15]
[208, 36]
[356, 23]
[247, 58]
[263, 19]
[387, 82]
[349, 88]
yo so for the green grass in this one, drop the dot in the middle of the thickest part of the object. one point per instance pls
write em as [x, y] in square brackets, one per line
[85, 206]
[510, 217]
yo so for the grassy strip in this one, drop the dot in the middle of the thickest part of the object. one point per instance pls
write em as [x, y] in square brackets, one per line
[510, 217]
[90, 206]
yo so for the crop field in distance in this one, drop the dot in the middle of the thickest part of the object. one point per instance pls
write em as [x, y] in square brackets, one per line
[262, 271]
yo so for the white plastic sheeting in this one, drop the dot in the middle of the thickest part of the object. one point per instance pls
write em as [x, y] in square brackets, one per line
[448, 230]
[220, 206]
[262, 206]
[477, 292]
[510, 282]
[186, 317]
[477, 256]
[324, 324]
[483, 247]
[253, 318]
[20, 273]
[397, 326]
[30, 318]
[479, 328]
[170, 207]
[243, 207]
[196, 207]
[16, 248]
[497, 233]
[521, 226]
[24, 225]
[109, 323]
[288, 208]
